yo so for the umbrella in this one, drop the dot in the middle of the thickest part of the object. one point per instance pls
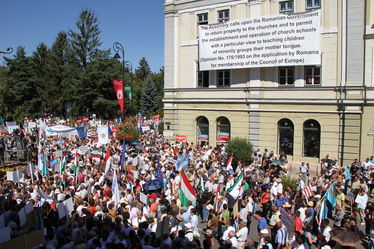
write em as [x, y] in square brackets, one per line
[345, 237]
[152, 185]
[278, 162]
[136, 144]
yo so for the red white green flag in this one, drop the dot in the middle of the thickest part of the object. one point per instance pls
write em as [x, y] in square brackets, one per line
[187, 192]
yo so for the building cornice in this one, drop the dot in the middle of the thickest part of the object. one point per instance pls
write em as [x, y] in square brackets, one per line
[248, 89]
[265, 101]
[263, 110]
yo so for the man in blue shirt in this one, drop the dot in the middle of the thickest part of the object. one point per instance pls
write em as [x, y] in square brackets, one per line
[347, 179]
[262, 224]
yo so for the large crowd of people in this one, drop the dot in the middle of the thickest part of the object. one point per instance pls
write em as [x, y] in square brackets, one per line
[214, 218]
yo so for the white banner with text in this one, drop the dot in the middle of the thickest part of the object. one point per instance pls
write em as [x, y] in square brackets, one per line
[285, 40]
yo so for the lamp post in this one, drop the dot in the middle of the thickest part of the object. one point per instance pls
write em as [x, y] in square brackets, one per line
[7, 51]
[126, 65]
[118, 48]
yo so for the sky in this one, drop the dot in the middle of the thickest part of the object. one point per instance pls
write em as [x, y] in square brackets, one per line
[137, 24]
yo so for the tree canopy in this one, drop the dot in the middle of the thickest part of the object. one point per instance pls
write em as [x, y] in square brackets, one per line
[73, 78]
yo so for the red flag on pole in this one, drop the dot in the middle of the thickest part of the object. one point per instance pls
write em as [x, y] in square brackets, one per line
[118, 88]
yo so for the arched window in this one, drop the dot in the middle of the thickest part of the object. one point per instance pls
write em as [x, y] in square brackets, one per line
[202, 130]
[312, 138]
[223, 130]
[285, 136]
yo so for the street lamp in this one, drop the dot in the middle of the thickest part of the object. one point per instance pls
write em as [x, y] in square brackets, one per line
[7, 51]
[117, 47]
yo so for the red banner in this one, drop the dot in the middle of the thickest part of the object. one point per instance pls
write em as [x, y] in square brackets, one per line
[181, 138]
[118, 88]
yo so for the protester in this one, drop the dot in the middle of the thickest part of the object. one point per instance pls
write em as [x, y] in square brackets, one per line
[95, 195]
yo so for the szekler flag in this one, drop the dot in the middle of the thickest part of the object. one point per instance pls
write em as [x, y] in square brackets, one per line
[45, 170]
[185, 162]
[235, 190]
[187, 192]
[158, 175]
[118, 88]
[323, 211]
[123, 156]
[179, 161]
[331, 195]
[115, 190]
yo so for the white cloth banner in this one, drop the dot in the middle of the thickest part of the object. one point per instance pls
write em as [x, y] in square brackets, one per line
[12, 176]
[102, 133]
[267, 41]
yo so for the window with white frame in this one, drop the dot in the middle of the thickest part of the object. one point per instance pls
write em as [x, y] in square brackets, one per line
[312, 75]
[202, 18]
[286, 75]
[286, 6]
[313, 4]
[223, 15]
[223, 78]
[203, 78]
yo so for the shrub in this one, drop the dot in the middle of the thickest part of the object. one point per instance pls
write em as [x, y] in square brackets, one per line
[127, 130]
[289, 181]
[242, 150]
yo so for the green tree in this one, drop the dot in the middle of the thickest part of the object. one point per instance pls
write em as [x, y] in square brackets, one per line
[22, 94]
[159, 85]
[62, 67]
[241, 148]
[149, 100]
[94, 90]
[143, 70]
[86, 41]
[39, 64]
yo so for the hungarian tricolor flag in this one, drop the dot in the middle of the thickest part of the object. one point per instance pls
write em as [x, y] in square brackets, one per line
[229, 162]
[107, 162]
[118, 88]
[187, 193]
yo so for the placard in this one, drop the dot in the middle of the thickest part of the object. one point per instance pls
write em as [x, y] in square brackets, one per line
[61, 211]
[131, 167]
[168, 133]
[69, 205]
[288, 221]
[143, 198]
[12, 176]
[267, 41]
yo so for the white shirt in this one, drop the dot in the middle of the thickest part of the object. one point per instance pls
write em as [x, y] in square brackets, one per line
[242, 234]
[243, 213]
[274, 191]
[326, 247]
[362, 201]
[234, 242]
[280, 188]
[301, 184]
[299, 247]
[302, 213]
[195, 222]
[326, 233]
[225, 235]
